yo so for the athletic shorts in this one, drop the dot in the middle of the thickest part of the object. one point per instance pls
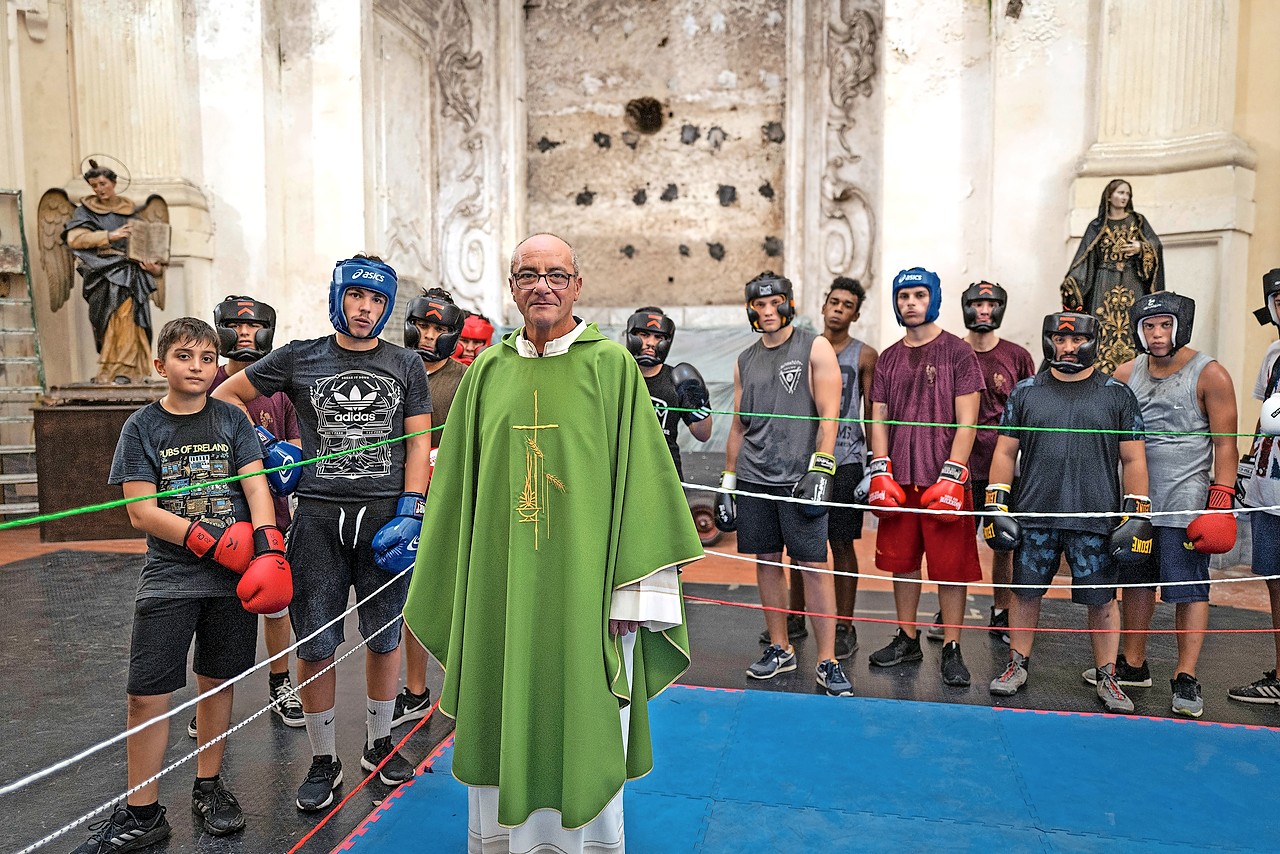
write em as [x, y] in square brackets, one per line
[844, 524]
[1174, 559]
[1088, 556]
[330, 552]
[226, 638]
[765, 527]
[1265, 530]
[949, 547]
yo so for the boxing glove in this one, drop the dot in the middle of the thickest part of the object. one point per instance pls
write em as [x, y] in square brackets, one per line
[726, 505]
[863, 489]
[885, 492]
[395, 546]
[1131, 540]
[231, 547]
[947, 493]
[1244, 473]
[692, 392]
[280, 453]
[1001, 531]
[816, 484]
[1214, 533]
[267, 585]
[1269, 418]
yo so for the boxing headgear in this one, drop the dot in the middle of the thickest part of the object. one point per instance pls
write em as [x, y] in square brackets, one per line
[650, 321]
[980, 291]
[477, 328]
[1270, 287]
[765, 285]
[1071, 323]
[919, 277]
[361, 273]
[433, 309]
[1181, 309]
[244, 310]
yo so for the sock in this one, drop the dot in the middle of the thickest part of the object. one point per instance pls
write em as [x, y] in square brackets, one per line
[379, 719]
[320, 730]
[145, 813]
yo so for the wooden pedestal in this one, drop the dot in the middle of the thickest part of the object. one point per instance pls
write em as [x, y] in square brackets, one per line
[74, 447]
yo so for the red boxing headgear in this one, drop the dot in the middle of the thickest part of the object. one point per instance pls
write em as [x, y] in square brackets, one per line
[477, 328]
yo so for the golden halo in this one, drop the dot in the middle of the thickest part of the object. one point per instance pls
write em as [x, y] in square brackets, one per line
[106, 161]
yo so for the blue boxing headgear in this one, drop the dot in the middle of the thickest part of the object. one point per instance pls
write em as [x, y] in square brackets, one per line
[918, 277]
[363, 273]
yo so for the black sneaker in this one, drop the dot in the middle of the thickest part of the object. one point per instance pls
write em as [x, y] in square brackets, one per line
[846, 641]
[121, 831]
[796, 630]
[936, 632]
[1126, 674]
[191, 727]
[316, 792]
[1187, 697]
[397, 769]
[217, 808]
[774, 661]
[410, 707]
[1265, 690]
[901, 649]
[284, 701]
[954, 673]
[999, 625]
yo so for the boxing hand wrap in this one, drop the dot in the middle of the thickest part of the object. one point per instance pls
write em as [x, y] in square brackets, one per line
[816, 484]
[1131, 540]
[280, 453]
[267, 585]
[395, 546]
[726, 504]
[1244, 474]
[947, 493]
[1214, 533]
[1001, 531]
[885, 492]
[692, 392]
[231, 547]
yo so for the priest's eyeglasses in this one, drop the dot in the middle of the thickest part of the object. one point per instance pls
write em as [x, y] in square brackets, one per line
[527, 280]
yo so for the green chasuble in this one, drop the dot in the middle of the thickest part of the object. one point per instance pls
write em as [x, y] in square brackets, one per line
[553, 487]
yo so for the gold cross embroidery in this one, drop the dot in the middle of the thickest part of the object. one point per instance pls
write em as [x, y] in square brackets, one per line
[532, 505]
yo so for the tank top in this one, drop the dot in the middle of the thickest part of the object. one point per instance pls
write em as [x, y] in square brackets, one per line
[1179, 468]
[775, 451]
[662, 391]
[851, 441]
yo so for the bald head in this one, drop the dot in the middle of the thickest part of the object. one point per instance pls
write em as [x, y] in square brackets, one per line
[543, 241]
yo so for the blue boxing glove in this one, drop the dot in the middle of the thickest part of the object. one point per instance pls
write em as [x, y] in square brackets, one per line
[395, 546]
[280, 453]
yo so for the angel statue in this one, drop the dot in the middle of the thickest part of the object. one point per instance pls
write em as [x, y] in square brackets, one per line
[120, 271]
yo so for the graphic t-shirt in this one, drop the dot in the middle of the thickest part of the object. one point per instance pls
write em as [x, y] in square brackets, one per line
[173, 451]
[444, 385]
[347, 400]
[662, 391]
[1264, 489]
[775, 381]
[274, 414]
[1003, 366]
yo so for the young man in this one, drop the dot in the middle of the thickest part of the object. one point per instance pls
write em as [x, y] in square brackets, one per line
[928, 376]
[359, 511]
[1087, 424]
[649, 336]
[432, 325]
[789, 371]
[198, 541]
[477, 334]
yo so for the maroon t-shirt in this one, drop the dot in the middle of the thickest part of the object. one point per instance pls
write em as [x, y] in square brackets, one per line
[922, 384]
[275, 414]
[1003, 367]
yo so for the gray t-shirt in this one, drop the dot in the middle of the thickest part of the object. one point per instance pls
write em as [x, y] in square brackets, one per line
[173, 451]
[775, 451]
[348, 399]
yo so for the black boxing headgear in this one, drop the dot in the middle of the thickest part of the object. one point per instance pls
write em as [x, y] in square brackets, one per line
[434, 309]
[1270, 287]
[1181, 309]
[1071, 323]
[650, 321]
[980, 291]
[767, 284]
[234, 310]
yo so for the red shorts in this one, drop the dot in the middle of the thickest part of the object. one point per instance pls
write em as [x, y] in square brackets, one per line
[950, 547]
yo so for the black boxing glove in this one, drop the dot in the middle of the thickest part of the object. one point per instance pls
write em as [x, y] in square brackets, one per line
[692, 392]
[1131, 540]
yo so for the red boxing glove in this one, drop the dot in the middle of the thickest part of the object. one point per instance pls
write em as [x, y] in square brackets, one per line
[885, 491]
[1215, 533]
[267, 585]
[232, 546]
[948, 492]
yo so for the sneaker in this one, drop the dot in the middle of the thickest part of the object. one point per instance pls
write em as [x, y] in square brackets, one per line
[396, 770]
[1013, 678]
[285, 703]
[901, 649]
[954, 673]
[796, 630]
[1187, 699]
[831, 676]
[410, 707]
[1265, 690]
[316, 792]
[216, 807]
[121, 831]
[774, 661]
[1110, 693]
[999, 625]
[846, 641]
[1126, 674]
[936, 632]
[191, 727]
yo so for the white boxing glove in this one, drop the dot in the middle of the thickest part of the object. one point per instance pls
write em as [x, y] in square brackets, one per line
[1269, 420]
